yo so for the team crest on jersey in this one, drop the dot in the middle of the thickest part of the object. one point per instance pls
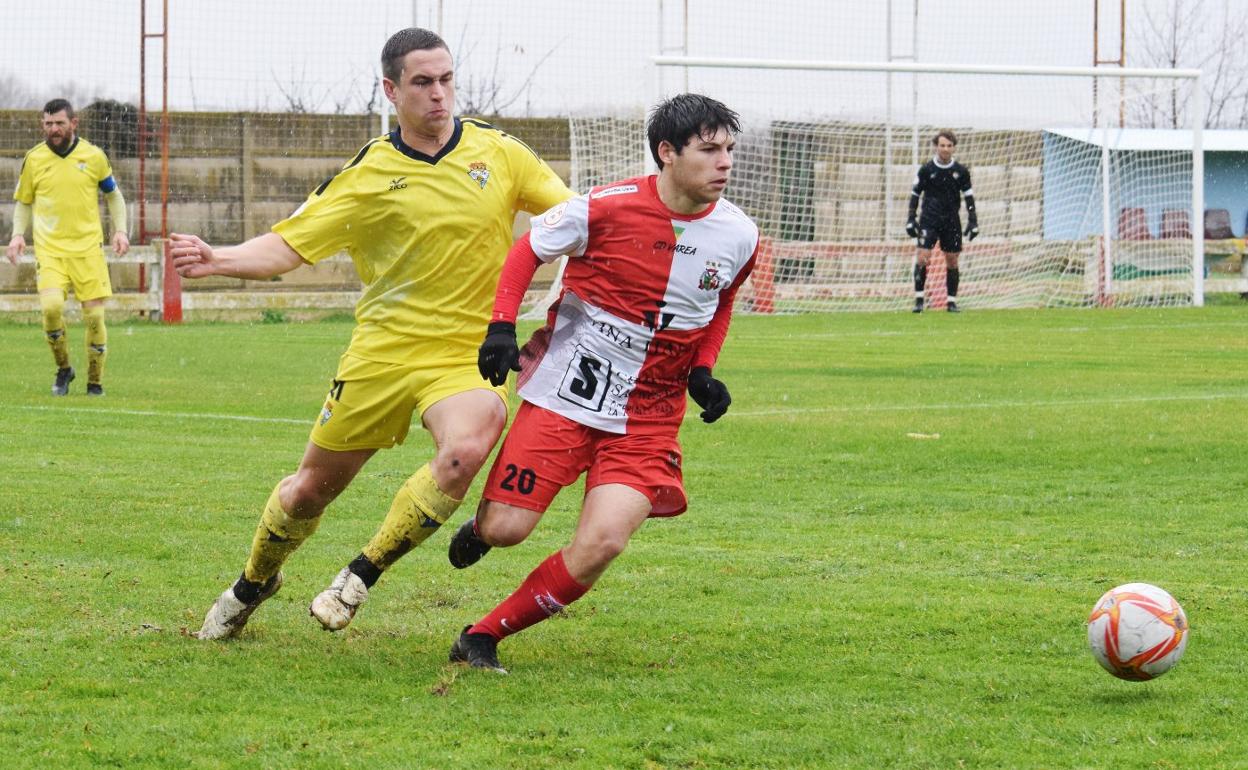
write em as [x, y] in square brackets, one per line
[82, 166]
[955, 175]
[479, 173]
[711, 280]
[326, 412]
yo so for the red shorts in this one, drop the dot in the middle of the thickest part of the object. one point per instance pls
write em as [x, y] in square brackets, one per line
[545, 452]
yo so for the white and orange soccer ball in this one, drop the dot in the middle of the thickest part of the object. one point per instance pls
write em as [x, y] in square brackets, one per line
[1137, 631]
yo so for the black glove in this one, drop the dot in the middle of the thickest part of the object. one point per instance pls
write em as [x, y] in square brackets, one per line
[499, 353]
[709, 393]
[912, 228]
[972, 230]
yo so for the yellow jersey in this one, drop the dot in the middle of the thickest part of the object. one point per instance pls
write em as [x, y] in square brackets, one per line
[62, 190]
[428, 236]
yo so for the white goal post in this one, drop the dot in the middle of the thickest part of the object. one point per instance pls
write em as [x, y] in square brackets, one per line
[1083, 198]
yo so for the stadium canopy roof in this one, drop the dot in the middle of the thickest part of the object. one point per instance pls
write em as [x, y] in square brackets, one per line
[1156, 138]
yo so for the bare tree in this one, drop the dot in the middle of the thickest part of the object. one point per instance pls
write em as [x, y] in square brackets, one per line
[15, 94]
[303, 96]
[486, 92]
[1192, 34]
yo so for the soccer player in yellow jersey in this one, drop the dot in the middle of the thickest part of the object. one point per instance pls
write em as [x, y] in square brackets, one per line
[425, 214]
[57, 189]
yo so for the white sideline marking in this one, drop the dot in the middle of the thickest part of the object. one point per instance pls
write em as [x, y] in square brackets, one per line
[985, 405]
[693, 411]
[745, 335]
[175, 415]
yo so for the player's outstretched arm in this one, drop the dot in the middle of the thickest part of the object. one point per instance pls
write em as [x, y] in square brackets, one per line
[261, 257]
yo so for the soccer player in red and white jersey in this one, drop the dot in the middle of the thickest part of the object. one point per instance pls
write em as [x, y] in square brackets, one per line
[654, 265]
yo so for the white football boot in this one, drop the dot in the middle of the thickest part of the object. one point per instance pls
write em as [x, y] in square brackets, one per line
[335, 606]
[228, 614]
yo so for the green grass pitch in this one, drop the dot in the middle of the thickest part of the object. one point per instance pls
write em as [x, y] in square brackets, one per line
[847, 590]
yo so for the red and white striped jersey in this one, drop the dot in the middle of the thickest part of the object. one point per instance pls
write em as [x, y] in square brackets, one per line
[642, 288]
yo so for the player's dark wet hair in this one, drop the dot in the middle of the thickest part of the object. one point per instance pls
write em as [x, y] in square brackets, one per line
[946, 133]
[402, 43]
[56, 105]
[682, 117]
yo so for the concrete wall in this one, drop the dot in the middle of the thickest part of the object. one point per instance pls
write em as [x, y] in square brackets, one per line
[230, 176]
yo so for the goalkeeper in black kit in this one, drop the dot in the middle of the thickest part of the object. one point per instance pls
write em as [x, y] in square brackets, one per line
[941, 182]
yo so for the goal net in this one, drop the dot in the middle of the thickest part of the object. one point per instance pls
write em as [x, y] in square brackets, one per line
[1070, 215]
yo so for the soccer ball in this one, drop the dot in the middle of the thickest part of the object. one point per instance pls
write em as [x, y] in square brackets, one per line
[1137, 631]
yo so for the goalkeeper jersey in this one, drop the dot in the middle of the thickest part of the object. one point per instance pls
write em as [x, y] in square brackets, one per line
[63, 192]
[942, 189]
[427, 234]
[642, 288]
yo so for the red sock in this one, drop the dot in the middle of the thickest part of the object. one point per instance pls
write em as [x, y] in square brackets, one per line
[546, 590]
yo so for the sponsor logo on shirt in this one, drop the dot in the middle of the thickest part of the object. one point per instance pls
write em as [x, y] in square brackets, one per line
[479, 173]
[617, 190]
[657, 320]
[678, 248]
[613, 333]
[554, 215]
[398, 184]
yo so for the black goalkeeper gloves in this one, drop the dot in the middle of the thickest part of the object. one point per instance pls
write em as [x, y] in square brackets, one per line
[972, 229]
[912, 228]
[709, 393]
[499, 353]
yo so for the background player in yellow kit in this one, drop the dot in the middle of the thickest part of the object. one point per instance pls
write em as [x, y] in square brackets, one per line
[426, 214]
[57, 190]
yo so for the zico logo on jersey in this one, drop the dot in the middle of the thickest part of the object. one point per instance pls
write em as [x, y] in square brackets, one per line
[398, 184]
[479, 173]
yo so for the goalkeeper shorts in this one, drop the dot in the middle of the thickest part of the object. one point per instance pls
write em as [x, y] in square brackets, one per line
[545, 452]
[947, 231]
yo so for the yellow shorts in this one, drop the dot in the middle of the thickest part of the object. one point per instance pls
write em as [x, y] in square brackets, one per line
[87, 275]
[370, 403]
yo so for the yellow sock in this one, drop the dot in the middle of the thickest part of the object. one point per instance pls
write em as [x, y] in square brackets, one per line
[277, 537]
[53, 306]
[419, 508]
[97, 342]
